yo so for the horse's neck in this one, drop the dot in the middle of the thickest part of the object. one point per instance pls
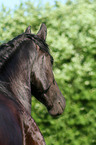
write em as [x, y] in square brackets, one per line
[20, 86]
[17, 73]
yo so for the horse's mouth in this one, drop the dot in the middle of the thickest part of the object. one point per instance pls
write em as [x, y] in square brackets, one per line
[57, 109]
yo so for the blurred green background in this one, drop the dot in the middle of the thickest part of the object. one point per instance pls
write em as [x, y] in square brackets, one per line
[72, 41]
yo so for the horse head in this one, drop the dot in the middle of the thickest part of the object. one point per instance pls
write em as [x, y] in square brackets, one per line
[43, 84]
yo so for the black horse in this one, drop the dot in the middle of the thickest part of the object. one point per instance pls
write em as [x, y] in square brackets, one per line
[26, 70]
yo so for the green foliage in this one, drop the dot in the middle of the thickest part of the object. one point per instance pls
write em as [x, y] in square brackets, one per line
[72, 41]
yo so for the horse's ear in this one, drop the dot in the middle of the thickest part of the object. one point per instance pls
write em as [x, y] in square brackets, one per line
[42, 33]
[28, 30]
